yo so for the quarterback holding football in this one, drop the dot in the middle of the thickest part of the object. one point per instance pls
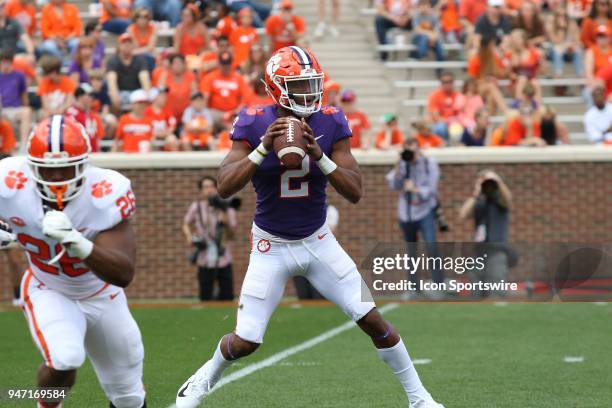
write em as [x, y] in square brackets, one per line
[73, 221]
[289, 151]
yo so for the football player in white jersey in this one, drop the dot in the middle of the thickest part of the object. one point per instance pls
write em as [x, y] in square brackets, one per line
[73, 221]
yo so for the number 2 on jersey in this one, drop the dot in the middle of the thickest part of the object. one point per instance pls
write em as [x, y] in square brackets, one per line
[303, 189]
[40, 253]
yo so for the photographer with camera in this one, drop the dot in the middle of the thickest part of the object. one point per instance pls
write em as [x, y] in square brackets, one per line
[416, 178]
[489, 207]
[209, 224]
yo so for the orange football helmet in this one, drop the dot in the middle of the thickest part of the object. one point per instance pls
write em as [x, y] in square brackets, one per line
[59, 142]
[294, 80]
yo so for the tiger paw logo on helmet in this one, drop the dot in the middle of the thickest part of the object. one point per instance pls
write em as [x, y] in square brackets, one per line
[15, 180]
[101, 189]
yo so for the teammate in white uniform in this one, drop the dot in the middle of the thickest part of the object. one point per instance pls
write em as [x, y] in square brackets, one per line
[72, 219]
[289, 236]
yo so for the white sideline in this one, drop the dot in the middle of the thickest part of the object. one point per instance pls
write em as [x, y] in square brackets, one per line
[275, 358]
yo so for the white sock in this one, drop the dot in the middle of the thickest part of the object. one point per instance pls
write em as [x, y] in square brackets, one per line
[398, 359]
[218, 364]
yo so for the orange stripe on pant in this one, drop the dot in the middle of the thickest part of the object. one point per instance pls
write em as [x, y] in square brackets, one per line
[30, 307]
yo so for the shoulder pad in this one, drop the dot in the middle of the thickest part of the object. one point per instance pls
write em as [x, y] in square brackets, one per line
[105, 187]
[247, 116]
[14, 176]
[338, 115]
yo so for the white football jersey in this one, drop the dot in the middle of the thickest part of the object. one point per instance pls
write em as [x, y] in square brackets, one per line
[106, 200]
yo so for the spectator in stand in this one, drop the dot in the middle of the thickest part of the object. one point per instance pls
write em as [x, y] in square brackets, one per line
[191, 35]
[255, 66]
[391, 14]
[528, 20]
[521, 130]
[14, 95]
[258, 96]
[357, 119]
[470, 11]
[60, 26]
[208, 61]
[426, 32]
[424, 137]
[477, 134]
[552, 132]
[84, 61]
[226, 23]
[12, 35]
[472, 102]
[162, 10]
[181, 84]
[285, 28]
[243, 37]
[562, 32]
[492, 24]
[597, 58]
[162, 65]
[24, 12]
[333, 26]
[55, 89]
[126, 73]
[598, 119]
[444, 105]
[162, 120]
[600, 15]
[197, 124]
[144, 34]
[94, 30]
[222, 141]
[487, 66]
[605, 77]
[7, 136]
[83, 113]
[116, 15]
[262, 12]
[331, 93]
[101, 101]
[135, 131]
[224, 89]
[390, 136]
[528, 99]
[450, 25]
[525, 63]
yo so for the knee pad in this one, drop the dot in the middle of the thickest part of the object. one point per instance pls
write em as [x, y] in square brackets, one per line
[69, 358]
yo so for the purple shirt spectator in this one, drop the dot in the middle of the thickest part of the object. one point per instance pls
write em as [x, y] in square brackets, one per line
[12, 86]
[83, 76]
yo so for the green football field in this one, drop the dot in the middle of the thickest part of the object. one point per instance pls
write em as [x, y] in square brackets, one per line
[469, 355]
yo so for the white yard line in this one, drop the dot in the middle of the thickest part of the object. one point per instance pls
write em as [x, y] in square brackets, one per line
[275, 358]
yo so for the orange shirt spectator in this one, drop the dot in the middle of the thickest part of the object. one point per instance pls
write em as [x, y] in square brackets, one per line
[135, 133]
[397, 138]
[224, 89]
[23, 65]
[55, 89]
[428, 140]
[390, 136]
[181, 84]
[517, 131]
[7, 137]
[475, 68]
[472, 9]
[141, 39]
[605, 75]
[284, 28]
[449, 17]
[444, 103]
[65, 25]
[589, 28]
[241, 39]
[225, 26]
[255, 99]
[161, 119]
[24, 12]
[191, 35]
[121, 9]
[601, 59]
[224, 142]
[358, 121]
[64, 85]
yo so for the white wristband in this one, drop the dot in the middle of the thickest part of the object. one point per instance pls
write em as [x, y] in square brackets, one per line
[77, 245]
[326, 164]
[258, 155]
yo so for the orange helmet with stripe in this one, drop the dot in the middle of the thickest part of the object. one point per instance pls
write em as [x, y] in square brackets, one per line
[59, 142]
[294, 80]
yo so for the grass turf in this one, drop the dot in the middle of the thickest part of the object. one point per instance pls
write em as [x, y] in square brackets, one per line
[482, 355]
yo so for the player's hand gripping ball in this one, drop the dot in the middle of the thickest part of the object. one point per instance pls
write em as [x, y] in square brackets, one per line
[290, 147]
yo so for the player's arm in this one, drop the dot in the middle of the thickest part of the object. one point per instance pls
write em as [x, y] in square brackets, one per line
[341, 169]
[112, 254]
[242, 161]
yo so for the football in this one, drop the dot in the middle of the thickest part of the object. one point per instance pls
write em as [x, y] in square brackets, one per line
[291, 147]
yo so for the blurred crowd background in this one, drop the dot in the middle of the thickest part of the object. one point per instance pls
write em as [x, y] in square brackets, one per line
[170, 75]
